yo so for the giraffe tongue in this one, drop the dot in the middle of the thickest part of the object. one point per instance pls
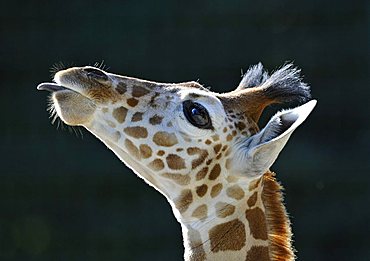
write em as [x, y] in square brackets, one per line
[51, 87]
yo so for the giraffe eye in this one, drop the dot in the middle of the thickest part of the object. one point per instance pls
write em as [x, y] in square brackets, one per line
[197, 115]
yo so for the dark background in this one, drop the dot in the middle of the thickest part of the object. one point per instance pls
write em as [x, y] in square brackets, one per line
[67, 197]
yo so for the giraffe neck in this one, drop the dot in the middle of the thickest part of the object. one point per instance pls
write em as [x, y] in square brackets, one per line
[258, 229]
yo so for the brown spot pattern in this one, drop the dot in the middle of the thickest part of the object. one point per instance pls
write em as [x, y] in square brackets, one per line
[217, 148]
[160, 153]
[235, 192]
[120, 114]
[178, 178]
[136, 132]
[240, 125]
[175, 162]
[132, 102]
[227, 236]
[201, 190]
[183, 202]
[216, 189]
[215, 137]
[202, 173]
[257, 223]
[155, 120]
[138, 116]
[260, 253]
[215, 172]
[156, 164]
[165, 139]
[252, 200]
[145, 151]
[138, 91]
[132, 149]
[200, 212]
[224, 209]
[203, 154]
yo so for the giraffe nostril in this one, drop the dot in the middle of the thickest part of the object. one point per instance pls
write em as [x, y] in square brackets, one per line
[95, 73]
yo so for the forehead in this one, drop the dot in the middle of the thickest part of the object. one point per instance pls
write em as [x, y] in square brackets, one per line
[166, 96]
[185, 90]
[191, 85]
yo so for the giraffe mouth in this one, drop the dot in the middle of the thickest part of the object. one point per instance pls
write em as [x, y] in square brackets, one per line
[55, 88]
[51, 87]
[72, 107]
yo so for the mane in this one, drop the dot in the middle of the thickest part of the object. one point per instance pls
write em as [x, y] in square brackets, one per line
[278, 224]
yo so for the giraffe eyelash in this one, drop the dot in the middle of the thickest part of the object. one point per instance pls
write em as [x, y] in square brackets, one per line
[101, 65]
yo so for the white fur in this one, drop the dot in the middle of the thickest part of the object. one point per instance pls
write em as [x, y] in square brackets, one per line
[255, 155]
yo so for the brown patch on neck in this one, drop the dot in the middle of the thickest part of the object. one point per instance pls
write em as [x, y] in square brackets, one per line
[138, 91]
[184, 200]
[260, 253]
[278, 224]
[227, 236]
[257, 223]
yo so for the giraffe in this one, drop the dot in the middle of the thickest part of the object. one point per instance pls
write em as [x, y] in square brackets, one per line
[202, 150]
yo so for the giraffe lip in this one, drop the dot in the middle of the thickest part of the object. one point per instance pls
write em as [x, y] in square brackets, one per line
[51, 87]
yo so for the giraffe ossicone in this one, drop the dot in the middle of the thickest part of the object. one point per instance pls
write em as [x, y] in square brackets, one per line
[202, 150]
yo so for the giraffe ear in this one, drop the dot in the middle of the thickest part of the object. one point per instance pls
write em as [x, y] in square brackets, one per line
[259, 152]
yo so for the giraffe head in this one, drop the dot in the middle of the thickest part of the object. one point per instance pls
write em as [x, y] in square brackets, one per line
[191, 144]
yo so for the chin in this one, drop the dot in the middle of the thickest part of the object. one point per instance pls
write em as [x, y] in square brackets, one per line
[73, 108]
